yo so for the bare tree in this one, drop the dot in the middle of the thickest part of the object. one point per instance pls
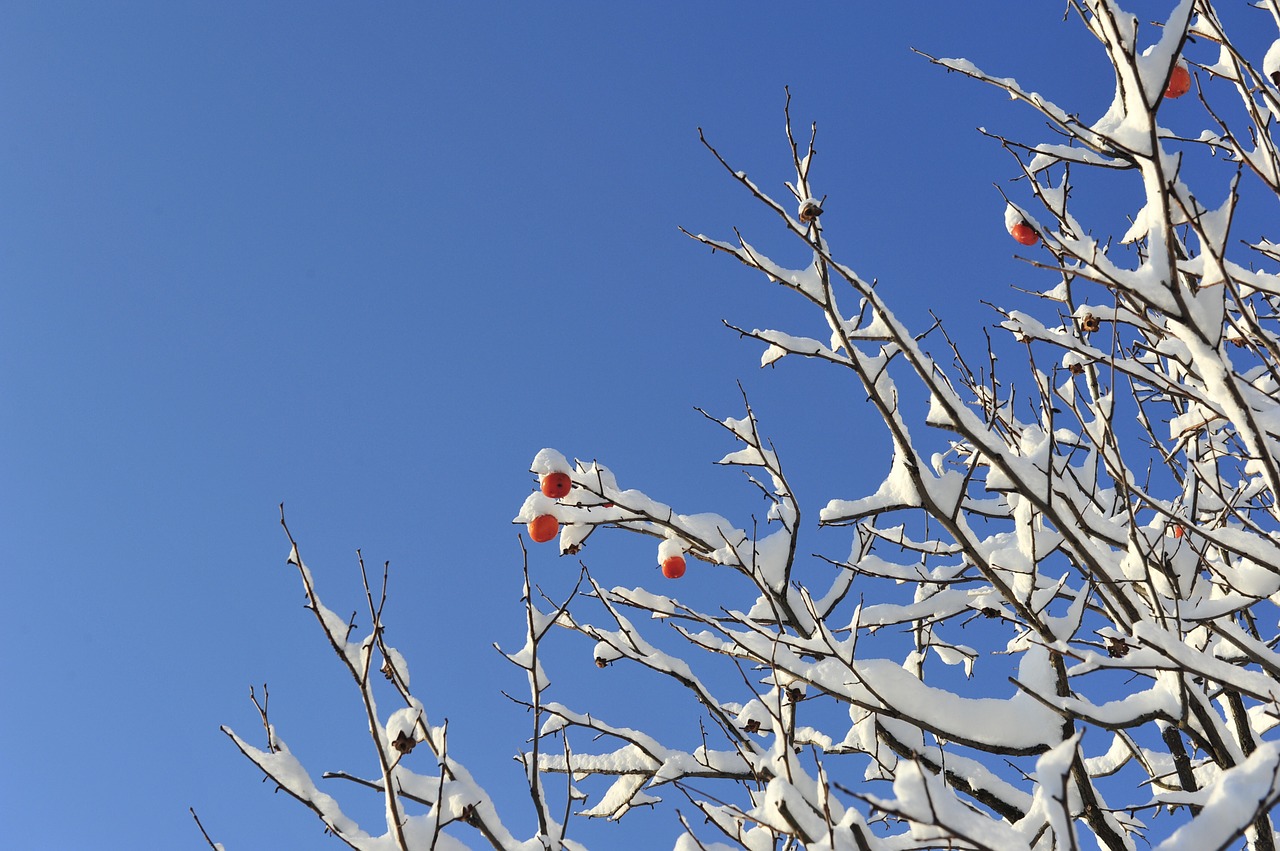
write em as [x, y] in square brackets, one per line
[1096, 555]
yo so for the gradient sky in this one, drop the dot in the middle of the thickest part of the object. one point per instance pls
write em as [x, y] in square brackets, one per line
[367, 259]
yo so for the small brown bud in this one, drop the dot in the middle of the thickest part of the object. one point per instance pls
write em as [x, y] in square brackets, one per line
[752, 726]
[404, 742]
[601, 662]
[1116, 648]
[1090, 323]
[809, 212]
[1076, 369]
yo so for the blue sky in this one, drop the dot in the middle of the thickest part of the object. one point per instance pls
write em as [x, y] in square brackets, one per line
[368, 259]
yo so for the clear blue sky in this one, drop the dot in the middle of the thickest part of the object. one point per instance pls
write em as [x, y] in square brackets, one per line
[368, 258]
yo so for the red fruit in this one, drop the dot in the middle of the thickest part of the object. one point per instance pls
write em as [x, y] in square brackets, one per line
[1178, 531]
[556, 485]
[1179, 82]
[673, 567]
[543, 528]
[1024, 233]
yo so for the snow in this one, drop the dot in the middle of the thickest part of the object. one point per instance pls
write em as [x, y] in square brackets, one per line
[1271, 63]
[1156, 62]
[286, 770]
[923, 798]
[401, 667]
[549, 461]
[955, 655]
[1015, 216]
[772, 354]
[605, 652]
[1231, 803]
[687, 842]
[535, 505]
[624, 794]
[1019, 724]
[670, 547]
[791, 344]
[526, 658]
[750, 456]
[897, 491]
[404, 722]
[1052, 793]
[1049, 154]
[807, 281]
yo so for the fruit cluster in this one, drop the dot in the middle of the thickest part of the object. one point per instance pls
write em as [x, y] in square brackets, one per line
[556, 485]
[545, 526]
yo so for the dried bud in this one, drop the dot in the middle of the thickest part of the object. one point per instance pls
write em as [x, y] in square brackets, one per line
[388, 671]
[752, 726]
[809, 212]
[1076, 369]
[469, 814]
[990, 612]
[602, 662]
[794, 694]
[404, 742]
[1116, 648]
[1090, 323]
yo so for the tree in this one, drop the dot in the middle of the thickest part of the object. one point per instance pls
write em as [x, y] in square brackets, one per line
[1096, 554]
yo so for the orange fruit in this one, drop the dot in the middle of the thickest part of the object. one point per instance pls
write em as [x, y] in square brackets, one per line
[556, 485]
[1179, 81]
[673, 567]
[543, 528]
[1024, 233]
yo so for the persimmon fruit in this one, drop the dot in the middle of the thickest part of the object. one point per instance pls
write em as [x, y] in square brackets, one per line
[556, 485]
[543, 528]
[1024, 233]
[1179, 82]
[673, 567]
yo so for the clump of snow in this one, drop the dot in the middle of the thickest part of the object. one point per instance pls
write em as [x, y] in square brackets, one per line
[550, 461]
[1271, 64]
[772, 354]
[396, 661]
[1014, 216]
[535, 505]
[404, 723]
[670, 547]
[624, 794]
[604, 653]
